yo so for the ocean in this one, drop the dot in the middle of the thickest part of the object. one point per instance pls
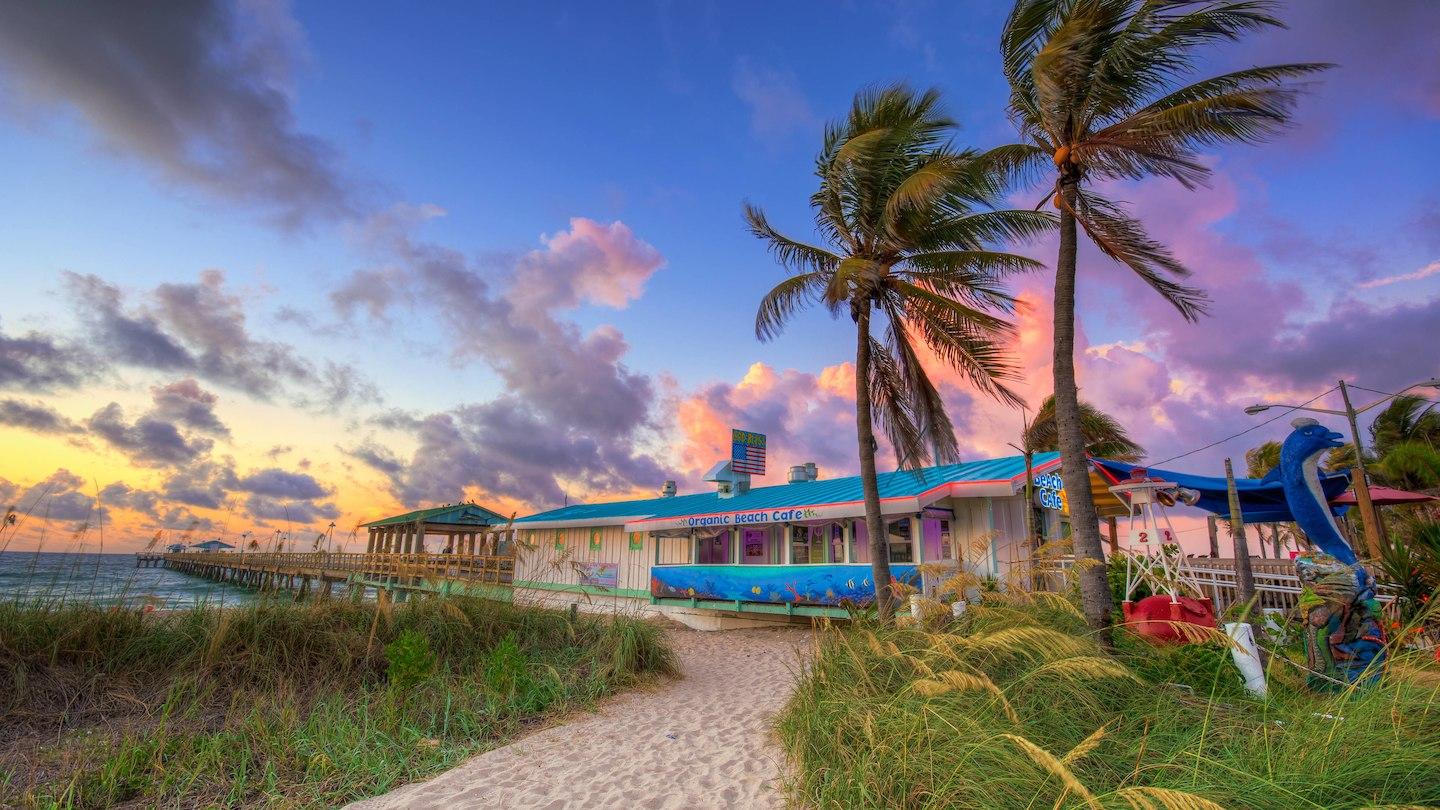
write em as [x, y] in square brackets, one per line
[108, 579]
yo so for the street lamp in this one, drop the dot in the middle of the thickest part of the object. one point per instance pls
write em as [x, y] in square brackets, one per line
[1362, 484]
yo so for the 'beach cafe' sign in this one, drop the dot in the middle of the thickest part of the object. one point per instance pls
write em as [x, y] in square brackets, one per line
[1050, 492]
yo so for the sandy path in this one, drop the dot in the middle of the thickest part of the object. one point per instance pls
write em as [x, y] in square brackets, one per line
[700, 742]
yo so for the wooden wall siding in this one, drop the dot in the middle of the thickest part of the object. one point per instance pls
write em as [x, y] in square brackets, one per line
[673, 551]
[1002, 518]
[543, 563]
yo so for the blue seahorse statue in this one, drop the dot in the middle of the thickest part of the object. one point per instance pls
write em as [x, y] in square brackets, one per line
[1300, 476]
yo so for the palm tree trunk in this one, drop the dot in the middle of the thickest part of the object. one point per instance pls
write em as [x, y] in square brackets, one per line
[1074, 467]
[865, 432]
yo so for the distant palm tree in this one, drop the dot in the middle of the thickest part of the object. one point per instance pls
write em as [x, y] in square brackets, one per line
[1407, 418]
[1094, 88]
[1260, 460]
[1104, 436]
[907, 223]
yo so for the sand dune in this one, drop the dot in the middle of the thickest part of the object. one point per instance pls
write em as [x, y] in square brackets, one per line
[700, 742]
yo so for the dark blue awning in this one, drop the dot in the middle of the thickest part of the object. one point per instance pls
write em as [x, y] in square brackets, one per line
[1261, 500]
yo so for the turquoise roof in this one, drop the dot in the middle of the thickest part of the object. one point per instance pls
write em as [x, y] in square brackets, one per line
[468, 514]
[809, 493]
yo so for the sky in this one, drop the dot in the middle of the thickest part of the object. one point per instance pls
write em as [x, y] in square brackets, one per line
[272, 267]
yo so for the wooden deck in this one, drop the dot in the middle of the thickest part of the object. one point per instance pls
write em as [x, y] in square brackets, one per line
[318, 572]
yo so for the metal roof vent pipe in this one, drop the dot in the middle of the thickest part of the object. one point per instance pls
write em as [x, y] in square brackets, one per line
[812, 472]
[667, 490]
[798, 474]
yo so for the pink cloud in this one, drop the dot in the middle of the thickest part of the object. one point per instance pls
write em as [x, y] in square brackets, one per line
[807, 417]
[591, 263]
[1425, 272]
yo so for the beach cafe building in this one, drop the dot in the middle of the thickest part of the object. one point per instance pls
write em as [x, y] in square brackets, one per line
[736, 556]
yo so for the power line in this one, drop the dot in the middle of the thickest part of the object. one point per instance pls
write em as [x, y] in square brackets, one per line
[1388, 394]
[1282, 415]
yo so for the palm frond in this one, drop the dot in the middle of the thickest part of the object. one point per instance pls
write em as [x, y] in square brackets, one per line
[784, 300]
[972, 342]
[1123, 238]
[890, 406]
[790, 253]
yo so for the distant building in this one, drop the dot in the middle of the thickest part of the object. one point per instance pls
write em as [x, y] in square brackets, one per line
[211, 545]
[175, 548]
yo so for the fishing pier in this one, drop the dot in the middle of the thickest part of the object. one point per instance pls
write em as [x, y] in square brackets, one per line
[321, 574]
[474, 556]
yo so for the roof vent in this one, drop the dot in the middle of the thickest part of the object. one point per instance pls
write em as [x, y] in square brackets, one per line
[798, 474]
[667, 490]
[728, 483]
[812, 472]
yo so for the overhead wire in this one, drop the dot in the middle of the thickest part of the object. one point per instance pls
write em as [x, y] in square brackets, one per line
[1288, 410]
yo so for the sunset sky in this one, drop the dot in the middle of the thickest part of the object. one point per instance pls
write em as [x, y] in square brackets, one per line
[271, 267]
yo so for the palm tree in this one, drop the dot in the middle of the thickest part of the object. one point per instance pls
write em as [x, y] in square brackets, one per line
[906, 222]
[1407, 418]
[1093, 90]
[1104, 436]
[1262, 458]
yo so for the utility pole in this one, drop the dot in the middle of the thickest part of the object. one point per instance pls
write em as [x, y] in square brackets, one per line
[1362, 484]
[1244, 577]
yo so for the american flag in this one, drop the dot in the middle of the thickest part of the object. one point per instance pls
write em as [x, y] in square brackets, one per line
[747, 452]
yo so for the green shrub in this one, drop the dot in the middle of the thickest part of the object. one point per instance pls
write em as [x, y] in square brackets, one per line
[410, 660]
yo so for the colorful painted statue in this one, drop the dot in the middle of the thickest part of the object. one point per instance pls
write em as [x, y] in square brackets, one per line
[1344, 636]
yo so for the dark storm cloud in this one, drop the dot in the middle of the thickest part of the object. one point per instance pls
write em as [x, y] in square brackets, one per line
[35, 416]
[40, 362]
[199, 89]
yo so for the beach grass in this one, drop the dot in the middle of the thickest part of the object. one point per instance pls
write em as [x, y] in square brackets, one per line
[1014, 705]
[286, 704]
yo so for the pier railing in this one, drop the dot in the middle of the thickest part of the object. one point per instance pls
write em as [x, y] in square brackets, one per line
[493, 569]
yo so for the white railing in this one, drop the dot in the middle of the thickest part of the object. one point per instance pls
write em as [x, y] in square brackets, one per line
[1276, 583]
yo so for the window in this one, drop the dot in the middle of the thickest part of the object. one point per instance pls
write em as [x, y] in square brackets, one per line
[898, 539]
[897, 536]
[817, 544]
[758, 547]
[713, 549]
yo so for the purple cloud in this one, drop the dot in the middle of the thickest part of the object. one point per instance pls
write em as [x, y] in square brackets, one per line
[571, 408]
[201, 329]
[148, 441]
[35, 416]
[39, 362]
[199, 90]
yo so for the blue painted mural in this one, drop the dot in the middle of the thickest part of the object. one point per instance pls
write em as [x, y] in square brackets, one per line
[775, 584]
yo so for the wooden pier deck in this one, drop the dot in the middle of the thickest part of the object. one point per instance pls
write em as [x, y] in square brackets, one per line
[317, 573]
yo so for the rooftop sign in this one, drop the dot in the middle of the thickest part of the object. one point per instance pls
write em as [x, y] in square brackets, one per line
[747, 452]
